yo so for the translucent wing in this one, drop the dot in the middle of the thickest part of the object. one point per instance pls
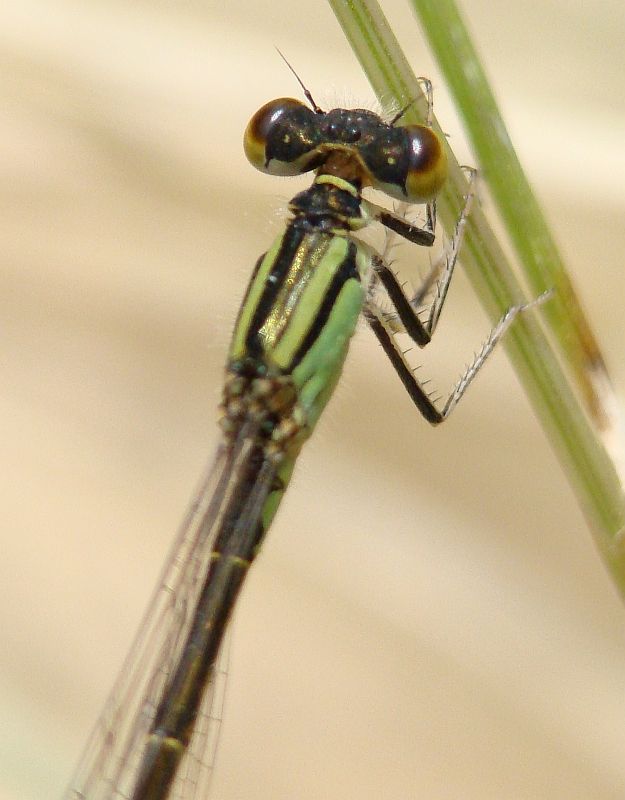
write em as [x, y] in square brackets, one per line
[110, 763]
[194, 775]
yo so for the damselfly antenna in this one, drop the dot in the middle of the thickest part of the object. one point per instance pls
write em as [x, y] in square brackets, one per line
[307, 93]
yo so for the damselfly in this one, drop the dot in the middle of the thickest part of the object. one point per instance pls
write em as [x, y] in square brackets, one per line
[156, 737]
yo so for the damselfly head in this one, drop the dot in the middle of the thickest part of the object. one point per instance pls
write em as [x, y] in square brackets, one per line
[407, 162]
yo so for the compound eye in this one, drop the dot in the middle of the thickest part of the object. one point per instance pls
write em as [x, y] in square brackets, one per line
[408, 163]
[281, 138]
[426, 170]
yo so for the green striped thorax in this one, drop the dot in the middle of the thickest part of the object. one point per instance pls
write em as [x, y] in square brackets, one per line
[308, 290]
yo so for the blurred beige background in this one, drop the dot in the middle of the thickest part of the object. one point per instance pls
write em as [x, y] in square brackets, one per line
[429, 617]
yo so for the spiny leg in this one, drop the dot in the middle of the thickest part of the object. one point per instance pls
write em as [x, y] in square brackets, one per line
[416, 390]
[422, 235]
[407, 319]
[407, 307]
[450, 257]
[426, 86]
[416, 234]
[487, 348]
[385, 326]
[418, 394]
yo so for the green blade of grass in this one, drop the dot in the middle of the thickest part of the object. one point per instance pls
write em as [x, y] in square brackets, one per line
[515, 200]
[587, 464]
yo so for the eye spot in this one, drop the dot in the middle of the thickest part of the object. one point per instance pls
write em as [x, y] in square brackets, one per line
[391, 161]
[286, 138]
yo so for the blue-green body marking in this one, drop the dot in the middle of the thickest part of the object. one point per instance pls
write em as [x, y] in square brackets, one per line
[301, 311]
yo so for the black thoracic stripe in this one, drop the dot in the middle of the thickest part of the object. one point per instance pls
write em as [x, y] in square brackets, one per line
[347, 270]
[291, 240]
[249, 288]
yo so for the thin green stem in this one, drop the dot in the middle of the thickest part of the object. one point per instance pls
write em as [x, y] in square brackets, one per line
[590, 469]
[514, 198]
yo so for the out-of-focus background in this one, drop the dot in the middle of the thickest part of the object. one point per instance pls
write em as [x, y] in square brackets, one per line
[429, 617]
